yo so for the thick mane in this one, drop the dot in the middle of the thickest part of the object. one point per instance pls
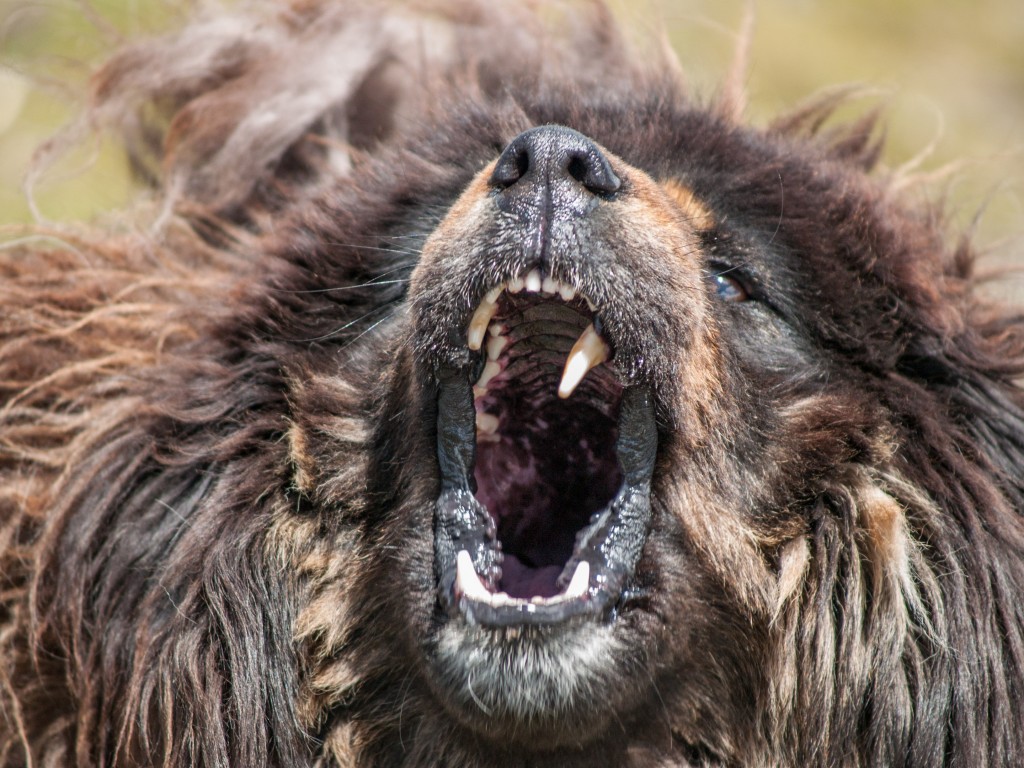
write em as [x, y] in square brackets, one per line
[238, 109]
[196, 451]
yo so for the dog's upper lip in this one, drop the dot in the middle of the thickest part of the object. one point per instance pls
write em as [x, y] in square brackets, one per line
[468, 554]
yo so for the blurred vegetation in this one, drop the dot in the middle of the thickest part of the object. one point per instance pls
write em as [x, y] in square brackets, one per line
[950, 74]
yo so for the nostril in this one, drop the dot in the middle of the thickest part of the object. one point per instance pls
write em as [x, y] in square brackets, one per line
[591, 169]
[513, 164]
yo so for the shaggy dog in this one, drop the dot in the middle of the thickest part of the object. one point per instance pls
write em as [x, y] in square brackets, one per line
[479, 398]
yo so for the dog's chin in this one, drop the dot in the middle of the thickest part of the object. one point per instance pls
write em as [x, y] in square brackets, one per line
[550, 686]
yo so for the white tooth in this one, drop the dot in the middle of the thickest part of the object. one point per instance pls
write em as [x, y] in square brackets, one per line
[491, 369]
[533, 281]
[589, 351]
[499, 599]
[516, 284]
[479, 392]
[494, 346]
[466, 579]
[495, 329]
[487, 423]
[493, 294]
[549, 286]
[580, 581]
[478, 325]
[567, 292]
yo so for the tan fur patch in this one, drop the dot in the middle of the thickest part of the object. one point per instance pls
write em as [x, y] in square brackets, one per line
[793, 561]
[884, 521]
[694, 211]
[301, 460]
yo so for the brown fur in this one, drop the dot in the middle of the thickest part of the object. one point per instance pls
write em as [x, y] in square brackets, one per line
[217, 436]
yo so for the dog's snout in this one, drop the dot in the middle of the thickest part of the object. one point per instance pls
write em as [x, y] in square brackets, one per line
[555, 160]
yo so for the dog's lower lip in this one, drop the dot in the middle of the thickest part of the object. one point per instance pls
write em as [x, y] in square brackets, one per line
[468, 554]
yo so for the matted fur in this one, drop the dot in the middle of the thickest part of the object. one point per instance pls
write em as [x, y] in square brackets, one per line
[215, 486]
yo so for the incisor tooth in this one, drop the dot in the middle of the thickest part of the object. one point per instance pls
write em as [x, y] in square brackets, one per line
[589, 351]
[478, 325]
[533, 281]
[549, 286]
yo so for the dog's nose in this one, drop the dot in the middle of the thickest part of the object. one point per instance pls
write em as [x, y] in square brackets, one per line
[553, 162]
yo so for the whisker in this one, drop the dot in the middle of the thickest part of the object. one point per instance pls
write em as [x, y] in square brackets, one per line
[368, 284]
[373, 281]
[368, 330]
[349, 324]
[374, 248]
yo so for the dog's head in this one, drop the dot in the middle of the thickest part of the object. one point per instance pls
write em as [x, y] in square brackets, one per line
[646, 459]
[560, 419]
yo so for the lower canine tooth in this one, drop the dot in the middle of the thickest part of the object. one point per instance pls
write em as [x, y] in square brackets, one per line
[589, 351]
[580, 581]
[466, 579]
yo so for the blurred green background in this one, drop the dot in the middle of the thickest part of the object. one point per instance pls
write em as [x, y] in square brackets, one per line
[951, 75]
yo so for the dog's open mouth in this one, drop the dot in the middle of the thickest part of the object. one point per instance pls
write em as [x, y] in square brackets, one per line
[546, 459]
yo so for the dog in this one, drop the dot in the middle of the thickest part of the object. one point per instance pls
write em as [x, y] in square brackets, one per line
[474, 395]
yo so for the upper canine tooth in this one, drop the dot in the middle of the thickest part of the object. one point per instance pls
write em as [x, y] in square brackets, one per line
[533, 281]
[589, 351]
[481, 319]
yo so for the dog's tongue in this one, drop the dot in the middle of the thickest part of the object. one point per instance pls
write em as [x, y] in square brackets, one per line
[524, 581]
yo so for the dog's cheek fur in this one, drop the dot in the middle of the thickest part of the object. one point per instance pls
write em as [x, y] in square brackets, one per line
[148, 577]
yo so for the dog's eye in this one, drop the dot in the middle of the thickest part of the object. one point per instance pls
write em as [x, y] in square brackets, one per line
[729, 288]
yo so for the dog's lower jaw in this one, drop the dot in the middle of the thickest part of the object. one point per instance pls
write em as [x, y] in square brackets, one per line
[531, 685]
